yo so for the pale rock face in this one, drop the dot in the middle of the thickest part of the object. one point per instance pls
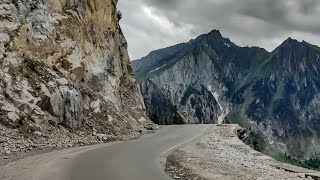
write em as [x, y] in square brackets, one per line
[65, 62]
[96, 106]
[62, 81]
[212, 80]
[176, 82]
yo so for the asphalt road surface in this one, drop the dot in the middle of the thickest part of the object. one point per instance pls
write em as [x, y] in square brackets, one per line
[131, 160]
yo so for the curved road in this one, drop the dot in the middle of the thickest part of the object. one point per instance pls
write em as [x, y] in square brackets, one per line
[131, 160]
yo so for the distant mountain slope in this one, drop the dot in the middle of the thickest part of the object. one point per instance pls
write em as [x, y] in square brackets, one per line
[156, 59]
[210, 79]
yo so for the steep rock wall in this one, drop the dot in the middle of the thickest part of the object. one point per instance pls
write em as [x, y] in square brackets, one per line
[274, 95]
[65, 62]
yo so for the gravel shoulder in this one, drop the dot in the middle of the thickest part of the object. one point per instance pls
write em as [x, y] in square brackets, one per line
[15, 145]
[220, 154]
[137, 159]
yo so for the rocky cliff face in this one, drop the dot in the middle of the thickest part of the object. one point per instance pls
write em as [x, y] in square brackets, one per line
[210, 80]
[64, 63]
[280, 99]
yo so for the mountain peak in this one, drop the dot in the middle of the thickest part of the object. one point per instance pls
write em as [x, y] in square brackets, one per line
[211, 36]
[291, 44]
[290, 40]
[291, 51]
[215, 33]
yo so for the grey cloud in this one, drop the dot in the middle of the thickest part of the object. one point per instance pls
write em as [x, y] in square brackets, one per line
[165, 4]
[263, 23]
[290, 15]
[308, 6]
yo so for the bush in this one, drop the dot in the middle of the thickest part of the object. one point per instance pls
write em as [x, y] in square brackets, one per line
[119, 15]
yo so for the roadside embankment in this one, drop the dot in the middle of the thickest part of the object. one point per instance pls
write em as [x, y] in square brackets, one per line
[220, 154]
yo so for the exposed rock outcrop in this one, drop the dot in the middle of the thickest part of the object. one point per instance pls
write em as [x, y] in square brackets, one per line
[64, 63]
[274, 95]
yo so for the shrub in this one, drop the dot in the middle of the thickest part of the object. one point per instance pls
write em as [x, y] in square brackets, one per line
[119, 15]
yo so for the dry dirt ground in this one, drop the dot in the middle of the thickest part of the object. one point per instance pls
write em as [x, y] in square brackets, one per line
[220, 154]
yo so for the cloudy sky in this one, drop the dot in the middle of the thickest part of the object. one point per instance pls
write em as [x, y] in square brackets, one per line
[154, 24]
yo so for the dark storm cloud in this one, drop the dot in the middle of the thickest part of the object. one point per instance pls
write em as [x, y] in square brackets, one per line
[152, 24]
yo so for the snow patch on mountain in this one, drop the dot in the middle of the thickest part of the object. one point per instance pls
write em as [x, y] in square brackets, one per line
[157, 68]
[225, 111]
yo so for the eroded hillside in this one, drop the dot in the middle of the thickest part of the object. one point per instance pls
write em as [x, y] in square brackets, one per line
[275, 95]
[65, 75]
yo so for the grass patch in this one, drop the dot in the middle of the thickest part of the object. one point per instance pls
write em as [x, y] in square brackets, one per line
[237, 116]
[312, 163]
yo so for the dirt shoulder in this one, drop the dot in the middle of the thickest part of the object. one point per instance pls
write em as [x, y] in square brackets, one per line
[220, 154]
[15, 145]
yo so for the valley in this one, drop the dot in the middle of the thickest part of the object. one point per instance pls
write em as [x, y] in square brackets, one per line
[74, 106]
[210, 79]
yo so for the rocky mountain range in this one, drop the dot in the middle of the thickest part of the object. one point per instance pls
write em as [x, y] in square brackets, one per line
[274, 95]
[65, 75]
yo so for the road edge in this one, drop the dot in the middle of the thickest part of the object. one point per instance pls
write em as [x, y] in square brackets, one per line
[165, 154]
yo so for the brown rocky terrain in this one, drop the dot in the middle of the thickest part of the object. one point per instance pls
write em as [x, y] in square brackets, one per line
[65, 76]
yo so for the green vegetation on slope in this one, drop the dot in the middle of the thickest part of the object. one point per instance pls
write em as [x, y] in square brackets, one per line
[312, 163]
